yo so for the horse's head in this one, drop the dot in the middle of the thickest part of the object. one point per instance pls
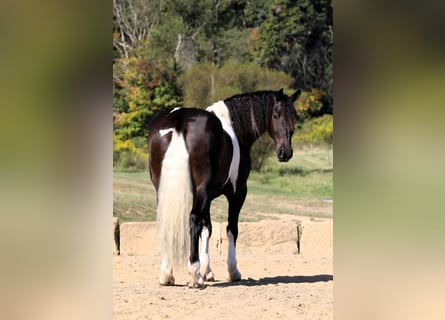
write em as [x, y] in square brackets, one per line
[282, 123]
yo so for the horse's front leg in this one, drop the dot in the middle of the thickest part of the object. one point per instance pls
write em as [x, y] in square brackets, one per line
[233, 273]
[235, 203]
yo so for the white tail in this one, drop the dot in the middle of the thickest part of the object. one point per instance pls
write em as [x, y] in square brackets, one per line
[175, 200]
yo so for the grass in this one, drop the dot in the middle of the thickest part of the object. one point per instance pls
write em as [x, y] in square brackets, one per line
[303, 186]
[134, 197]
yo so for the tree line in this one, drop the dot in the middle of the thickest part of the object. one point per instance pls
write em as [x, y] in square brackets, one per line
[175, 53]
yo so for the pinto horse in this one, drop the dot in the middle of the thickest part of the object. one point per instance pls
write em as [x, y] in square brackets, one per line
[197, 155]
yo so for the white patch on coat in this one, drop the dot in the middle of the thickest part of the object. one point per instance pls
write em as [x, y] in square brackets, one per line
[163, 132]
[222, 112]
[174, 109]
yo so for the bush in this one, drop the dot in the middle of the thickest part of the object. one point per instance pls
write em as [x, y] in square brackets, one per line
[128, 157]
[196, 85]
[261, 150]
[316, 131]
[310, 104]
[232, 78]
[133, 162]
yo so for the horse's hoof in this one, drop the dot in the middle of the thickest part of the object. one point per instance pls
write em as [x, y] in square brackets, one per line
[167, 282]
[210, 277]
[196, 285]
[234, 276]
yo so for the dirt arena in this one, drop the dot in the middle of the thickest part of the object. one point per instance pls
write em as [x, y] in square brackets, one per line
[277, 282]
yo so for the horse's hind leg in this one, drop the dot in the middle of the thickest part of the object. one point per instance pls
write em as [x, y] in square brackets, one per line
[166, 278]
[201, 204]
[204, 257]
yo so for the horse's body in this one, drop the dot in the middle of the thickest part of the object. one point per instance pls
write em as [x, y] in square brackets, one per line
[197, 155]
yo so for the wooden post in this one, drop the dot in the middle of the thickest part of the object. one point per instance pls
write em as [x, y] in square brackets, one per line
[116, 236]
[299, 234]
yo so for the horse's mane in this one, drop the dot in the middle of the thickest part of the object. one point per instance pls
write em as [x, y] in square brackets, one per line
[250, 114]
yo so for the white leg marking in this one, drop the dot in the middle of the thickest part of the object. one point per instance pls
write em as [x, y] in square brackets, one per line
[204, 257]
[196, 280]
[166, 278]
[232, 271]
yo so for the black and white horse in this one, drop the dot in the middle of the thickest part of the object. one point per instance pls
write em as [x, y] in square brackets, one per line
[197, 155]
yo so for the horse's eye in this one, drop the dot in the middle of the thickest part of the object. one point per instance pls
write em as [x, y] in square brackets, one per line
[276, 114]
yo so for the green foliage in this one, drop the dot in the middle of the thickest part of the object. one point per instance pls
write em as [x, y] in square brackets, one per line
[309, 105]
[261, 151]
[138, 93]
[316, 131]
[232, 78]
[249, 77]
[196, 85]
[280, 31]
[255, 12]
[298, 40]
[195, 52]
[129, 155]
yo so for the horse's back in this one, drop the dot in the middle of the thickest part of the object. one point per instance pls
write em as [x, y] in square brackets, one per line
[195, 125]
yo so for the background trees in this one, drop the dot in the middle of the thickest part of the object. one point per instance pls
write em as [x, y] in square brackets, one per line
[297, 38]
[170, 53]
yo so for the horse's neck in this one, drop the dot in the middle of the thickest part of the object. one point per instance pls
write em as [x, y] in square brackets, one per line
[250, 122]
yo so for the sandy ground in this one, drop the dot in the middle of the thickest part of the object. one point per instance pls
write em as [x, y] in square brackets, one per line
[277, 282]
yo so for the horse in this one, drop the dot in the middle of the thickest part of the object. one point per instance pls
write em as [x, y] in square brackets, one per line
[197, 155]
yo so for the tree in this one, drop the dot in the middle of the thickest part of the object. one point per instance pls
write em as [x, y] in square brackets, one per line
[297, 39]
[132, 22]
[139, 92]
[144, 77]
[232, 78]
[195, 52]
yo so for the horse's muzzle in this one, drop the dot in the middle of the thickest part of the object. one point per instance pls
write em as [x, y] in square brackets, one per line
[283, 155]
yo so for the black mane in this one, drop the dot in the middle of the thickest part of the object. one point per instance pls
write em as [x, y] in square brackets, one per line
[251, 114]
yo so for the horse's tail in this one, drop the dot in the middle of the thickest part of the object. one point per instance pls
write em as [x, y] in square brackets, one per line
[175, 201]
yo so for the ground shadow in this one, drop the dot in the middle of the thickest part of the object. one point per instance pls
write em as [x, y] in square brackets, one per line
[277, 280]
[284, 171]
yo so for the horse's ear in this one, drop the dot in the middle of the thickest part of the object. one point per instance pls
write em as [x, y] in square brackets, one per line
[296, 95]
[279, 96]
